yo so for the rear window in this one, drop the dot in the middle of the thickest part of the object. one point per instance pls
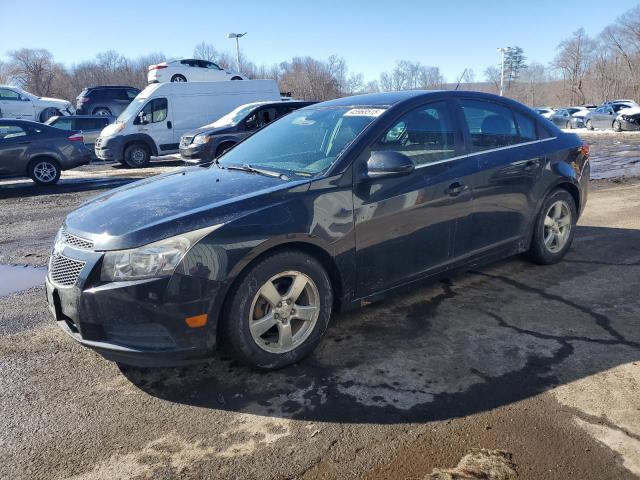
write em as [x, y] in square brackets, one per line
[11, 131]
[91, 123]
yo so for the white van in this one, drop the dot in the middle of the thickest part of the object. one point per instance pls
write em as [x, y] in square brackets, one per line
[155, 120]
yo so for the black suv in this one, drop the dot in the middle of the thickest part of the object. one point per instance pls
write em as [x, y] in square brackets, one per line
[206, 143]
[105, 100]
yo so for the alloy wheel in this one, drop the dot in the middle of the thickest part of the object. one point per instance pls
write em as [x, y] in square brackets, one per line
[44, 172]
[557, 226]
[284, 312]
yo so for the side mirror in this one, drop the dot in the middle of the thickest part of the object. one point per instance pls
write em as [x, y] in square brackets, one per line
[25, 99]
[388, 163]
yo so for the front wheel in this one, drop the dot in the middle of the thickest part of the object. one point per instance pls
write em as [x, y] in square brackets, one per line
[589, 125]
[44, 171]
[617, 126]
[103, 112]
[47, 113]
[554, 229]
[278, 311]
[136, 155]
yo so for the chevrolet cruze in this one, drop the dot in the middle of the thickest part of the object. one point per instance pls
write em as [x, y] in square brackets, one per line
[334, 204]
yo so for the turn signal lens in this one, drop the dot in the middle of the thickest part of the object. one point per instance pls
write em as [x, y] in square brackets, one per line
[585, 149]
[197, 320]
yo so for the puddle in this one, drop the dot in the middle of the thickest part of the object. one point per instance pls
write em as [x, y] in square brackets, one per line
[15, 278]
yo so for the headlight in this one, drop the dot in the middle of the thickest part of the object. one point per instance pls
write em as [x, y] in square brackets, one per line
[158, 259]
[201, 138]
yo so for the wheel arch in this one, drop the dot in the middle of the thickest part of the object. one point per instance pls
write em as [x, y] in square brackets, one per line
[41, 156]
[140, 138]
[308, 247]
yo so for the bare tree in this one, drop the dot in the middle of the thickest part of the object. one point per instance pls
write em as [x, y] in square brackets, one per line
[206, 51]
[574, 58]
[33, 69]
[492, 75]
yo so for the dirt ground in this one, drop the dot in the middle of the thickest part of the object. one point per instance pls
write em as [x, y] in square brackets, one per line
[510, 371]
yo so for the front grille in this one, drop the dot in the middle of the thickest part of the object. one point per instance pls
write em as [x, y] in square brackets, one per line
[77, 242]
[65, 271]
[98, 142]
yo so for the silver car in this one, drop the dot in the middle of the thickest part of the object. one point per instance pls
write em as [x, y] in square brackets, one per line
[89, 125]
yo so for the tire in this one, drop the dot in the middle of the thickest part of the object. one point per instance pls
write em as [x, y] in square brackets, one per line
[617, 126]
[269, 349]
[102, 111]
[223, 148]
[544, 251]
[137, 155]
[589, 125]
[44, 171]
[178, 78]
[47, 113]
[236, 78]
[568, 126]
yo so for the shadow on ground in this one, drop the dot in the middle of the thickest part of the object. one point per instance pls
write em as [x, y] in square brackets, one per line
[470, 343]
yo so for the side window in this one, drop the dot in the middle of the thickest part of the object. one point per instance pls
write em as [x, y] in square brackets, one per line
[6, 94]
[131, 93]
[526, 128]
[90, 123]
[489, 125]
[155, 111]
[266, 116]
[11, 131]
[120, 94]
[425, 134]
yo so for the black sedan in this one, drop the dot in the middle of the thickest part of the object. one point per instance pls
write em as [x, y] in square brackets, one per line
[41, 152]
[210, 141]
[331, 206]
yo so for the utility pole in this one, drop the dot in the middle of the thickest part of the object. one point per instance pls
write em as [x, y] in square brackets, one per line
[502, 50]
[237, 36]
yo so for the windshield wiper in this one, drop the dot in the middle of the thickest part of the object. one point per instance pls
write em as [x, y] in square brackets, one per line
[261, 171]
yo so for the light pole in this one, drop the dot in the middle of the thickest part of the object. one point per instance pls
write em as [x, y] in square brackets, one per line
[502, 50]
[237, 36]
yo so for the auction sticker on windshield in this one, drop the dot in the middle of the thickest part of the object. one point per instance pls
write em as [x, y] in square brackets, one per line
[364, 112]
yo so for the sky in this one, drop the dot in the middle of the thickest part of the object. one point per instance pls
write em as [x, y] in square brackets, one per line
[371, 35]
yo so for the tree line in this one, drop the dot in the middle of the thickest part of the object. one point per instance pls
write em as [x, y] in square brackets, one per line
[584, 70]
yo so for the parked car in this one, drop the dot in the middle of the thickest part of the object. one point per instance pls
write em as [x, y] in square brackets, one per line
[19, 104]
[561, 117]
[546, 112]
[627, 102]
[603, 116]
[109, 100]
[577, 116]
[628, 119]
[89, 125]
[210, 141]
[154, 122]
[331, 206]
[38, 151]
[190, 70]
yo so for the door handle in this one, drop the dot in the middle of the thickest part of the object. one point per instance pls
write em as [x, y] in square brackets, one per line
[531, 165]
[455, 189]
[169, 124]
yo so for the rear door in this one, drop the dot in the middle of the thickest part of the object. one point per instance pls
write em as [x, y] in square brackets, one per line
[408, 226]
[506, 146]
[14, 142]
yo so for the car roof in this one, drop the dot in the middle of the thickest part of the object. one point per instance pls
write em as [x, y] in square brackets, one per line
[110, 86]
[21, 122]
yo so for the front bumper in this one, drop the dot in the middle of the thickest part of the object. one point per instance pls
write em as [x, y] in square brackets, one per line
[577, 122]
[139, 323]
[629, 126]
[194, 153]
[109, 148]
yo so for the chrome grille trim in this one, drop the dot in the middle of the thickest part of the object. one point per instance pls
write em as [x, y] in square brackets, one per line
[65, 271]
[77, 242]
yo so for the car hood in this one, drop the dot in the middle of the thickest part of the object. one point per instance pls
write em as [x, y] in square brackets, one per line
[53, 101]
[177, 202]
[629, 111]
[211, 131]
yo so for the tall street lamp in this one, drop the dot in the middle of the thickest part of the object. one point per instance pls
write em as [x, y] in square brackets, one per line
[502, 50]
[237, 36]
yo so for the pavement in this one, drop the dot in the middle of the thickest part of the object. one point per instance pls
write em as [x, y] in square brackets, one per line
[510, 371]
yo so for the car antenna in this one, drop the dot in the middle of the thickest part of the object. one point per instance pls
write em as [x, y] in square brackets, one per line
[460, 79]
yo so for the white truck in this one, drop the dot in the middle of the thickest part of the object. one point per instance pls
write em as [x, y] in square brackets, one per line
[19, 104]
[155, 120]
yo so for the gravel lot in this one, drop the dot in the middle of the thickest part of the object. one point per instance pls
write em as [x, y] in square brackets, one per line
[540, 366]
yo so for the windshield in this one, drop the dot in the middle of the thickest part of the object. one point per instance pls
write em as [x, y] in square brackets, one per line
[131, 110]
[234, 116]
[306, 142]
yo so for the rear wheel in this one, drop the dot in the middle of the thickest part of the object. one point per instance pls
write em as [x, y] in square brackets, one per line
[44, 171]
[178, 78]
[137, 155]
[554, 228]
[589, 125]
[236, 78]
[278, 311]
